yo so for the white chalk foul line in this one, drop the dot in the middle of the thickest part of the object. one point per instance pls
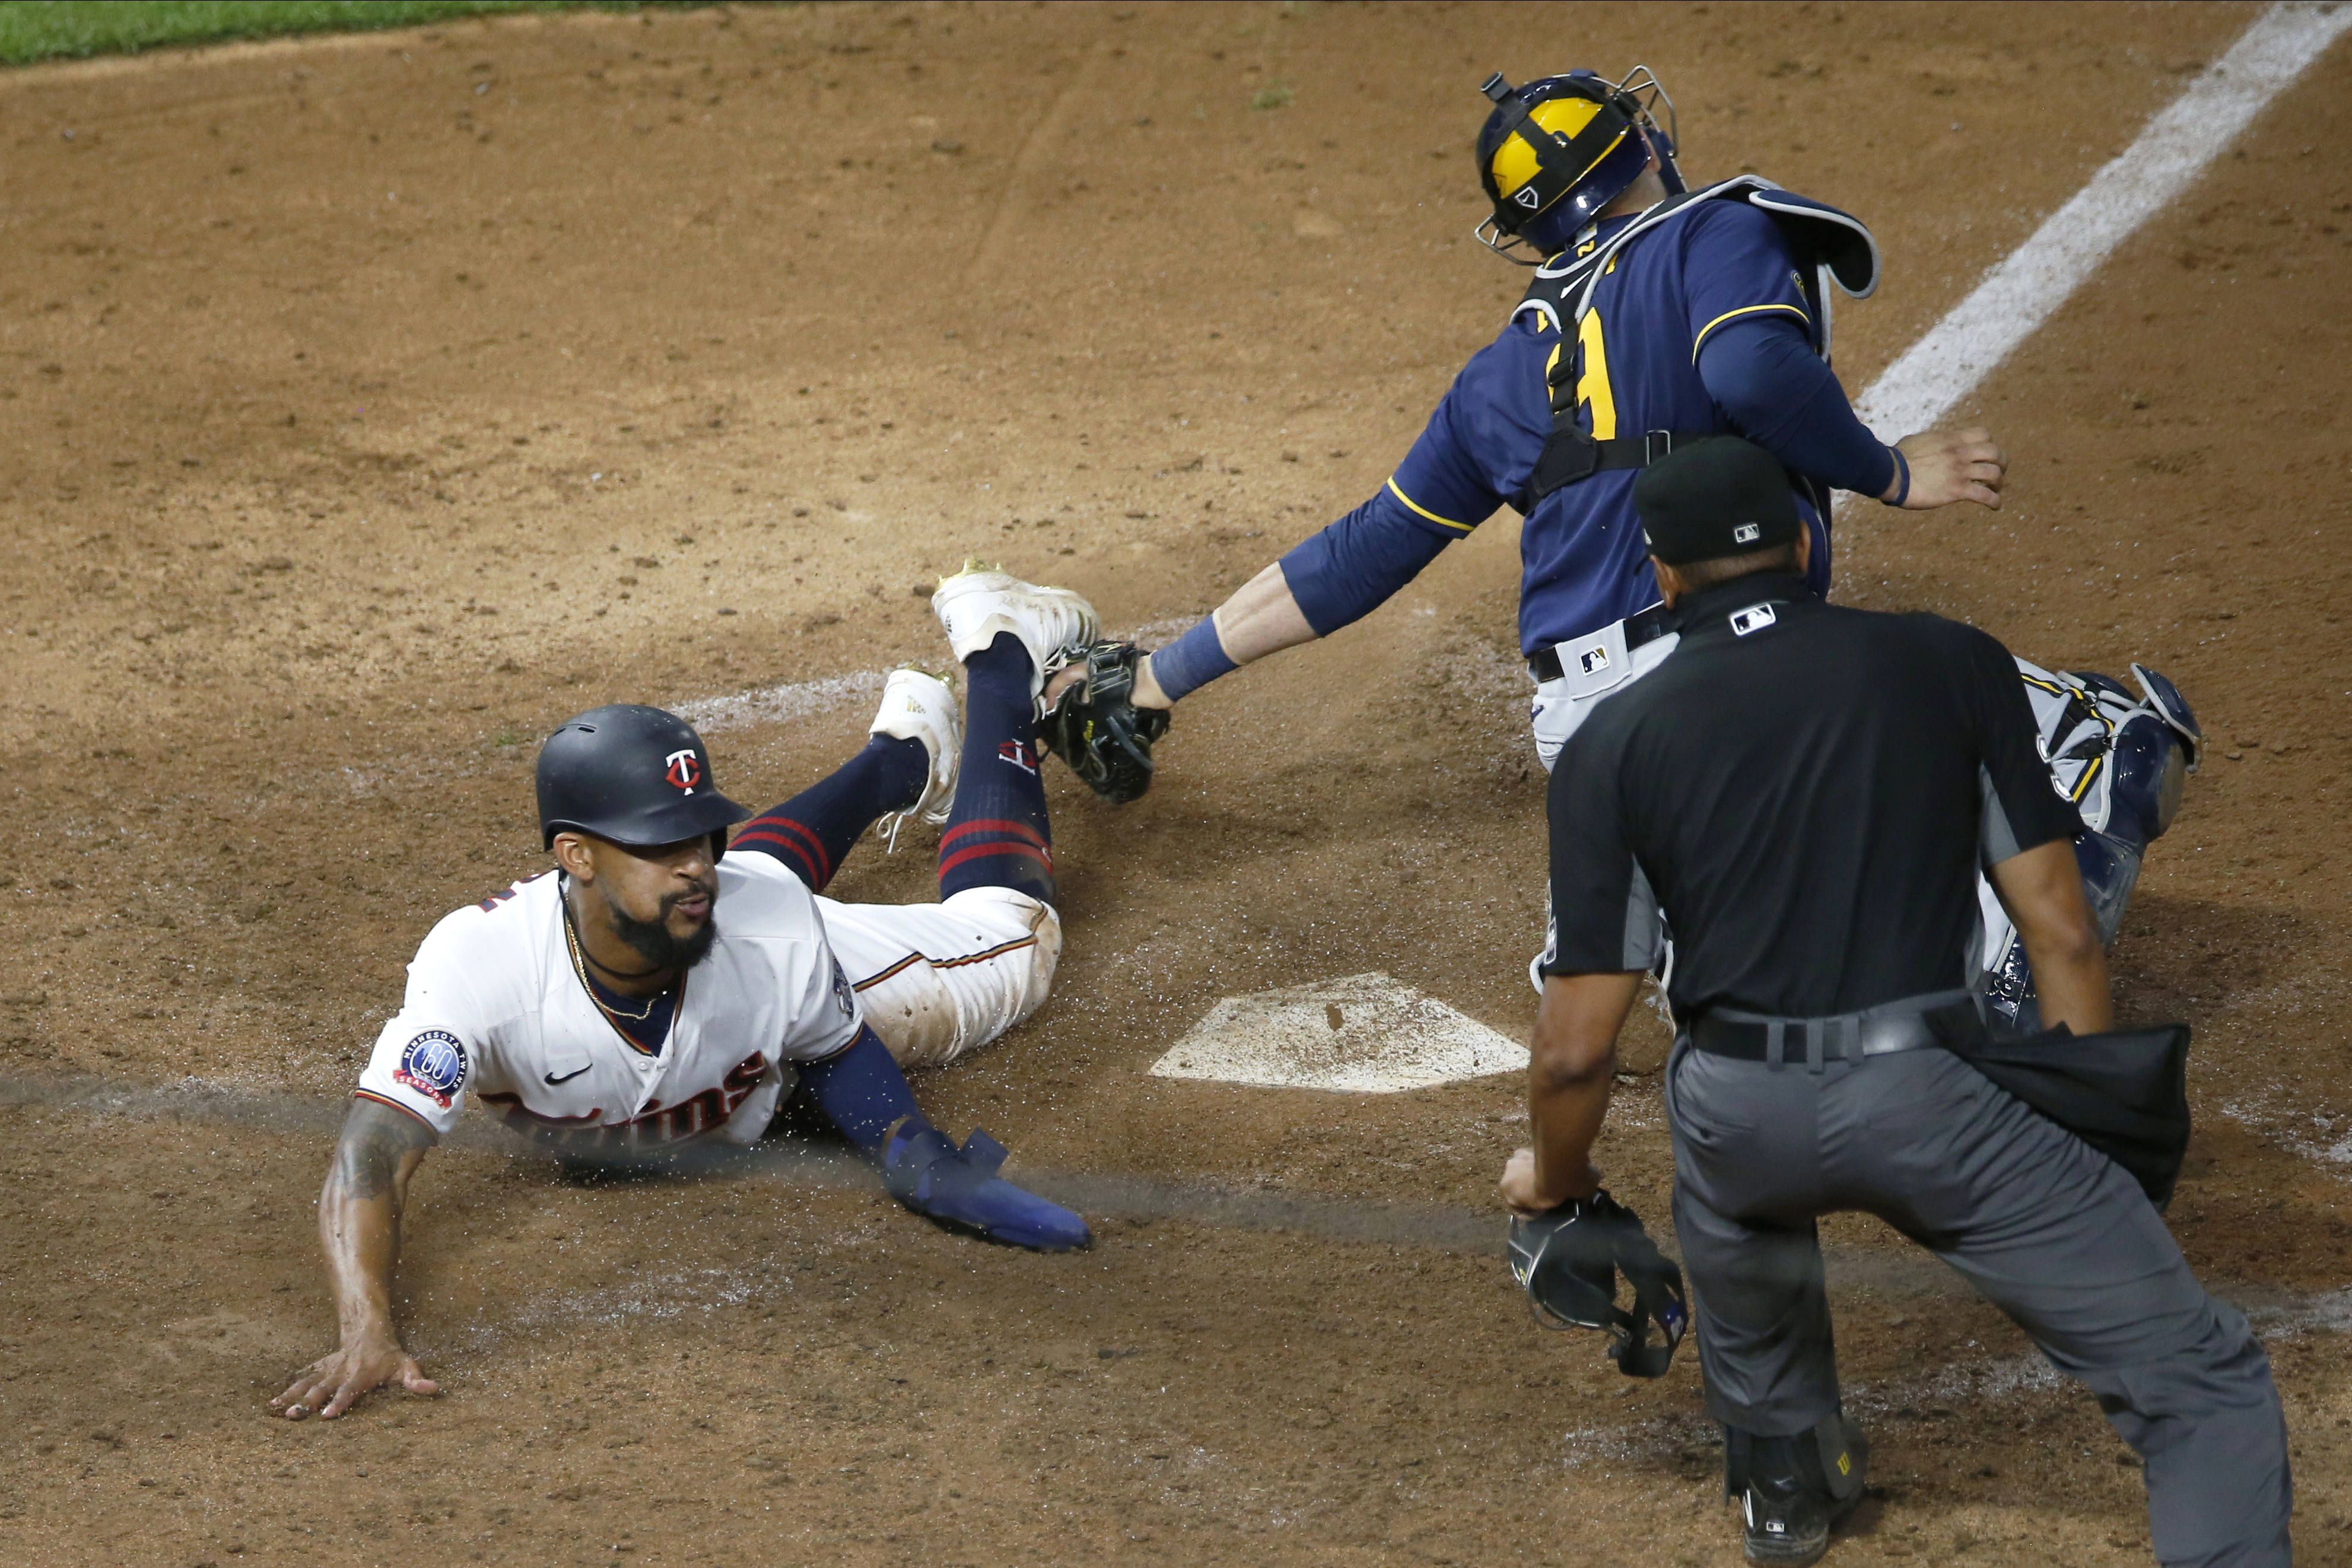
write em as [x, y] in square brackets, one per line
[774, 705]
[798, 699]
[2016, 296]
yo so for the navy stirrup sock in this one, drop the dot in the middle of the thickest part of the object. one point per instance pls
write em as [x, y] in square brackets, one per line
[815, 830]
[998, 835]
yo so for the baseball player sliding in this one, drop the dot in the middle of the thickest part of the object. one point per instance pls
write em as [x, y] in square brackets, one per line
[1659, 314]
[660, 985]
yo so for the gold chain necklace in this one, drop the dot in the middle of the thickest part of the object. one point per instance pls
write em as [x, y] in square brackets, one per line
[580, 967]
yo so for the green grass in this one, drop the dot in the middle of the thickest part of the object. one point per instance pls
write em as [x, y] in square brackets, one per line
[46, 29]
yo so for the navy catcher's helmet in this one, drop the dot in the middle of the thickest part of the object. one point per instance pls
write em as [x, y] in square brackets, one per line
[1556, 151]
[633, 775]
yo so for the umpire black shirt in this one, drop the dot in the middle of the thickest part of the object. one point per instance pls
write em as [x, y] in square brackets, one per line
[1806, 792]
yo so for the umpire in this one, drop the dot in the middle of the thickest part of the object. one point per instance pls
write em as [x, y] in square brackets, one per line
[1801, 796]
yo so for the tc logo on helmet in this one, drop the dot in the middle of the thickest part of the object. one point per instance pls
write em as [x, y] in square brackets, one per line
[684, 769]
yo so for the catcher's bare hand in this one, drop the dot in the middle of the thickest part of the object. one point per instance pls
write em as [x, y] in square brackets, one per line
[332, 1384]
[1950, 466]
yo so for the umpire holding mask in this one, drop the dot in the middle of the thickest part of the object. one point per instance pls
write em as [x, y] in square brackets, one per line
[1800, 797]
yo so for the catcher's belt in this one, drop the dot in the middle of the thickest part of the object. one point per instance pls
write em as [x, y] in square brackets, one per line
[1640, 630]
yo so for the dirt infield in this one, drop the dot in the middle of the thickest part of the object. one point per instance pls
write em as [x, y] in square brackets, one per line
[367, 405]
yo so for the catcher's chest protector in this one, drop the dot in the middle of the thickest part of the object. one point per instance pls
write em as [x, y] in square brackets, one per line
[1830, 247]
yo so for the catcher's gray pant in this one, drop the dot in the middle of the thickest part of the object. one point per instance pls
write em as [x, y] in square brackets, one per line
[2047, 1229]
[1561, 706]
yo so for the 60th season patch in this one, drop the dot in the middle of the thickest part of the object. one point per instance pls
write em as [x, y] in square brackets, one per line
[434, 1065]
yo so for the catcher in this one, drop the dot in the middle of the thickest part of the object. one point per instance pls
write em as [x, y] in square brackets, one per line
[609, 1013]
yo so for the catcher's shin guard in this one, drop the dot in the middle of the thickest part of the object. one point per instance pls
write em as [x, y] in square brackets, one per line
[1567, 1261]
[2123, 761]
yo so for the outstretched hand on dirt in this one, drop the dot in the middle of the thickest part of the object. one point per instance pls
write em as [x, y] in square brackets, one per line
[332, 1384]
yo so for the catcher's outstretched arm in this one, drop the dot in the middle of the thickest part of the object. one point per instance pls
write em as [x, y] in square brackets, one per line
[1262, 617]
[1333, 579]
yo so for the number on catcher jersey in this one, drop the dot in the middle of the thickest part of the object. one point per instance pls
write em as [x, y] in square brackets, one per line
[1592, 390]
[1593, 393]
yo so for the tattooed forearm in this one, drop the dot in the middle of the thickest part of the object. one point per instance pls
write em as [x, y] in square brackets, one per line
[359, 1212]
[375, 1142]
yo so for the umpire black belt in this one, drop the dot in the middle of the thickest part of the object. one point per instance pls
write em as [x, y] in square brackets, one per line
[1881, 1031]
[1640, 631]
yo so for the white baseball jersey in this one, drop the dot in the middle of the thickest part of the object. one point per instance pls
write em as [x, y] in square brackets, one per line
[495, 1009]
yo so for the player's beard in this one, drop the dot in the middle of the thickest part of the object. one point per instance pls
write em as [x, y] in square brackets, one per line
[652, 941]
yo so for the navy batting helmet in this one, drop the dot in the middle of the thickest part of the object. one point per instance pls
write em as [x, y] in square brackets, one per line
[1556, 151]
[633, 775]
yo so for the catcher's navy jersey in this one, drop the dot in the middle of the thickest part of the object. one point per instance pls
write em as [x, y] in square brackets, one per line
[1637, 353]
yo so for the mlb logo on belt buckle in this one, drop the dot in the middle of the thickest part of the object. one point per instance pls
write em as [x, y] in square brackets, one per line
[1754, 617]
[1593, 659]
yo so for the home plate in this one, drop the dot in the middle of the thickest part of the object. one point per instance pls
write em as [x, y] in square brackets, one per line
[1367, 1034]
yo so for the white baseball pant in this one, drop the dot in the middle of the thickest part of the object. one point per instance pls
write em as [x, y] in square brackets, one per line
[937, 980]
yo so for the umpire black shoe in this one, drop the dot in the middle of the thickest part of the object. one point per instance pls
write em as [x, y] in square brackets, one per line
[1788, 1523]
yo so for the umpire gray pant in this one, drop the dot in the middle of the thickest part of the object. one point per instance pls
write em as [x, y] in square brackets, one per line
[2047, 1229]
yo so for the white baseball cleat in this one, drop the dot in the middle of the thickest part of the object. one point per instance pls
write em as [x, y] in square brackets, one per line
[1053, 623]
[917, 705]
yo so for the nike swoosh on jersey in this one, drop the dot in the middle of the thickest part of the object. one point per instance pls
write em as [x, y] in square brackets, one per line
[568, 1077]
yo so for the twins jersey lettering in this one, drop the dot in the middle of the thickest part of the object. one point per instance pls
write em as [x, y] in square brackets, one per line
[495, 1010]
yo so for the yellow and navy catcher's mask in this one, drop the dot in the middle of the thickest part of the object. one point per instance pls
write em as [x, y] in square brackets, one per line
[1556, 151]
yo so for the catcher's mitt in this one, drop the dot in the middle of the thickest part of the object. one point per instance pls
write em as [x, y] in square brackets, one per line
[1567, 1261]
[1096, 727]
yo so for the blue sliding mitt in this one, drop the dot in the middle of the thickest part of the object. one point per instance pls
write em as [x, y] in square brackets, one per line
[960, 1188]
